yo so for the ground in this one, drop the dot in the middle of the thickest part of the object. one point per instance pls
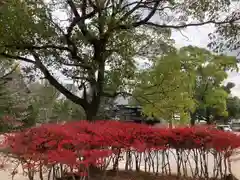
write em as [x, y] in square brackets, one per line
[130, 175]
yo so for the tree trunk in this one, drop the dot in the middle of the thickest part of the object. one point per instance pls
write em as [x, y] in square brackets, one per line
[208, 116]
[92, 109]
[193, 118]
[170, 124]
[90, 115]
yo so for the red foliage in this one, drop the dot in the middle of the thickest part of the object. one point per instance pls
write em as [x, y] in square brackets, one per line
[83, 143]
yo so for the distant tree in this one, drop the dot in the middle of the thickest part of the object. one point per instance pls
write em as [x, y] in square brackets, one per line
[228, 87]
[163, 90]
[65, 110]
[209, 72]
[15, 110]
[50, 106]
[233, 107]
[185, 82]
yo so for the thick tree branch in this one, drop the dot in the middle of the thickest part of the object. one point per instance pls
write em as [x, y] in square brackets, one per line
[177, 26]
[81, 21]
[70, 43]
[73, 52]
[50, 78]
[144, 20]
[32, 47]
[192, 24]
[56, 84]
[76, 20]
[17, 57]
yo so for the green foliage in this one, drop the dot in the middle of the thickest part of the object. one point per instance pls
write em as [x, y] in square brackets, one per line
[209, 72]
[94, 38]
[6, 101]
[65, 110]
[163, 89]
[225, 37]
[15, 111]
[184, 82]
[50, 106]
[233, 107]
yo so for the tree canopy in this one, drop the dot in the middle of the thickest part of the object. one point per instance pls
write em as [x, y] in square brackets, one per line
[233, 107]
[187, 82]
[95, 44]
[225, 37]
[163, 89]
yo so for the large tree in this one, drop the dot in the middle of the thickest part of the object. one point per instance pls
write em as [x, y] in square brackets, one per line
[96, 44]
[163, 89]
[209, 71]
[186, 82]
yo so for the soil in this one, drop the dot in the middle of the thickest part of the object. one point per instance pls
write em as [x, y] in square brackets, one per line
[133, 175]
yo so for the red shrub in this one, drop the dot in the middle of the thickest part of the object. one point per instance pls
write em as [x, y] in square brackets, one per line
[78, 144]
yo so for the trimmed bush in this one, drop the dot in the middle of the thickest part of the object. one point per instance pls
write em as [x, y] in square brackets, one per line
[78, 147]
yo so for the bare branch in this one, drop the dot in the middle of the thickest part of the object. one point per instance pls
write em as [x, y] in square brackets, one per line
[32, 47]
[192, 24]
[131, 11]
[177, 26]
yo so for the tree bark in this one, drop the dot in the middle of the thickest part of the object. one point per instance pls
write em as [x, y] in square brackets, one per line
[208, 118]
[193, 118]
[90, 114]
